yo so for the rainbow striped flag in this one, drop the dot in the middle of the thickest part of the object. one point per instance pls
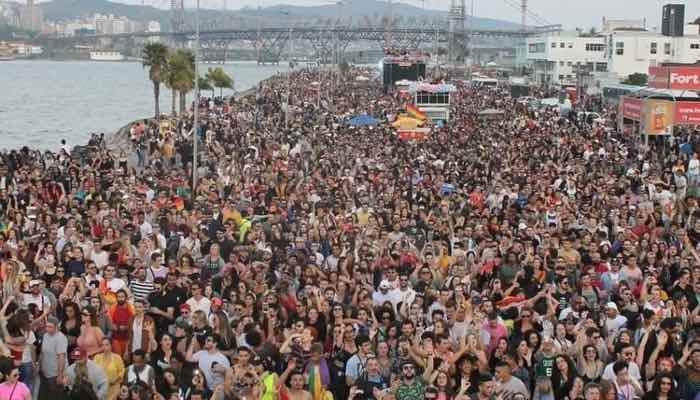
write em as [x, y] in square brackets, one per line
[415, 112]
[315, 383]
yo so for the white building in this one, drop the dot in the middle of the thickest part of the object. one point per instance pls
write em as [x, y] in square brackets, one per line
[153, 26]
[623, 47]
[554, 56]
[634, 51]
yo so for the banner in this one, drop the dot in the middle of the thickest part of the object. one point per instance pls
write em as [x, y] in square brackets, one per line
[687, 113]
[413, 134]
[680, 78]
[631, 108]
[658, 117]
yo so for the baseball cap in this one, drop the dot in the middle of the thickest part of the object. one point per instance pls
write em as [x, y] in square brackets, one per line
[385, 284]
[611, 305]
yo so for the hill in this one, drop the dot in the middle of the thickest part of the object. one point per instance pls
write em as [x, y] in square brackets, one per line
[356, 11]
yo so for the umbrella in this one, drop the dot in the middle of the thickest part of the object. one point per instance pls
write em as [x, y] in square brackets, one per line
[363, 120]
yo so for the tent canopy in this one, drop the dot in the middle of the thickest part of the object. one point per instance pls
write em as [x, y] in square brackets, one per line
[363, 120]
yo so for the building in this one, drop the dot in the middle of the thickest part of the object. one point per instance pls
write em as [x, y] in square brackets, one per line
[632, 51]
[153, 26]
[111, 25]
[620, 48]
[555, 57]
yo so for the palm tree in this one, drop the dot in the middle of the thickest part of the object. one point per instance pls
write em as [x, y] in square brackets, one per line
[220, 79]
[205, 84]
[170, 83]
[181, 67]
[155, 57]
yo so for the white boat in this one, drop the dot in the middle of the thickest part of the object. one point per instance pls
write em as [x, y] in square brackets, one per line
[106, 56]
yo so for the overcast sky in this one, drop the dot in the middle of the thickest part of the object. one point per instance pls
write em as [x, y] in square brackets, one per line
[571, 13]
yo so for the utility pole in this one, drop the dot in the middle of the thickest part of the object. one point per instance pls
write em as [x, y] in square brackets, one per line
[195, 129]
[471, 41]
[257, 40]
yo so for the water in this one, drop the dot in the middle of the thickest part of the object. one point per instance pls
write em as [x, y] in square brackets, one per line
[42, 102]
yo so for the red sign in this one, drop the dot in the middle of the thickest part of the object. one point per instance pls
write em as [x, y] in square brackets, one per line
[684, 78]
[681, 78]
[658, 77]
[413, 135]
[631, 108]
[687, 113]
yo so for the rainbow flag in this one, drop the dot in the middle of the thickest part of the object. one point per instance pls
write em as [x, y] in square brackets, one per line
[416, 112]
[315, 383]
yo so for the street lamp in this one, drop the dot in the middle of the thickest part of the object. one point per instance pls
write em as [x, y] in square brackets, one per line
[195, 128]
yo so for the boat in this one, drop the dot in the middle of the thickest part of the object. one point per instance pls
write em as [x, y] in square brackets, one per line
[7, 53]
[106, 55]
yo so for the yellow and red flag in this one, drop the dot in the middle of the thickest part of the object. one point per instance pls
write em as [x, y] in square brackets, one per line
[415, 112]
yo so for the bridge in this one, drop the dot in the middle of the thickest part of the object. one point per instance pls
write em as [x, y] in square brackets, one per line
[271, 44]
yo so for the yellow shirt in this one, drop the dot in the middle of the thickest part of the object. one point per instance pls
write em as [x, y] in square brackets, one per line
[113, 366]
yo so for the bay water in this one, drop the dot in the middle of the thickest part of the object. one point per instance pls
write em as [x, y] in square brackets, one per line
[42, 102]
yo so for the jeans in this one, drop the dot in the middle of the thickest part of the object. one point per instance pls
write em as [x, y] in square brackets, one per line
[26, 375]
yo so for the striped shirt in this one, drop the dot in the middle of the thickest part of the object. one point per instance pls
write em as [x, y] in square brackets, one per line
[141, 289]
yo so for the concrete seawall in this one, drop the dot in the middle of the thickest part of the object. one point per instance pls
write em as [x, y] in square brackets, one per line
[119, 140]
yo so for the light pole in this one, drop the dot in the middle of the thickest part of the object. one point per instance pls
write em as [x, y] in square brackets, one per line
[195, 128]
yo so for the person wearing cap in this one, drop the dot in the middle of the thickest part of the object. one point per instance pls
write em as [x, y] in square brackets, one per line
[614, 321]
[384, 294]
[410, 387]
[53, 361]
[85, 370]
[37, 297]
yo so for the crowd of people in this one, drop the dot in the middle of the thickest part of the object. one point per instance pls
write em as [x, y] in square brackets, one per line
[527, 256]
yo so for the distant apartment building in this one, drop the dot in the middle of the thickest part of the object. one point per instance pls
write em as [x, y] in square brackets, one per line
[153, 26]
[620, 48]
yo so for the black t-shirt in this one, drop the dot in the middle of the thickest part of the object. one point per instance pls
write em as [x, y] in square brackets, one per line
[160, 301]
[175, 297]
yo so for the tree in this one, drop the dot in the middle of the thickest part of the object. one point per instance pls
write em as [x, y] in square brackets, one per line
[220, 79]
[637, 79]
[155, 57]
[170, 84]
[181, 70]
[205, 84]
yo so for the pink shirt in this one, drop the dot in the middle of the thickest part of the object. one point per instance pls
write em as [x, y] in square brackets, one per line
[21, 391]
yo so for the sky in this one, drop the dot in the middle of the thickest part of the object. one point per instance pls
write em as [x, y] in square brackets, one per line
[570, 13]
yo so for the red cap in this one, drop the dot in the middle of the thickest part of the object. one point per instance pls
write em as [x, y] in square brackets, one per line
[185, 306]
[217, 302]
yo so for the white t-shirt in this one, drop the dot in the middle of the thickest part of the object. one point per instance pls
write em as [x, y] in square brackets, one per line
[42, 302]
[632, 368]
[100, 259]
[205, 361]
[203, 304]
[116, 285]
[694, 167]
